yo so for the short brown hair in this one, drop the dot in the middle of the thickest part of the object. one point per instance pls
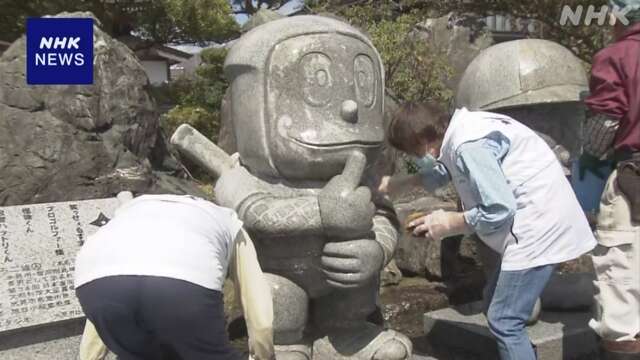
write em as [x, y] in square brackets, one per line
[413, 123]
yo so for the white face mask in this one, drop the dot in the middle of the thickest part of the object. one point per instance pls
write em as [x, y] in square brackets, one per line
[426, 162]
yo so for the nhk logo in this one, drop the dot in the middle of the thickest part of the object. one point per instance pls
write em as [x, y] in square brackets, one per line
[59, 51]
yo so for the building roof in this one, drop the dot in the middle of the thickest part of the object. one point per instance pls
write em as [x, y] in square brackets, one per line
[147, 50]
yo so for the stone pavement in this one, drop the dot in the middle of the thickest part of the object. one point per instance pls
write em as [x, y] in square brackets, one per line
[564, 335]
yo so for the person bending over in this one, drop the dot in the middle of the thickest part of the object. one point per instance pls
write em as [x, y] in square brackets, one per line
[151, 281]
[515, 198]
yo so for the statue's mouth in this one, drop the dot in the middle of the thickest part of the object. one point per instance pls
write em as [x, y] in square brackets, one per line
[340, 145]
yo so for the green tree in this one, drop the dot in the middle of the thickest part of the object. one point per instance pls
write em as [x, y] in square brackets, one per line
[197, 101]
[188, 20]
[199, 98]
[160, 20]
[584, 41]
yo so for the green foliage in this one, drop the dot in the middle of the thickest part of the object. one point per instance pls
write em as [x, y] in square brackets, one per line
[414, 70]
[198, 99]
[205, 121]
[160, 20]
[411, 166]
[188, 20]
[583, 40]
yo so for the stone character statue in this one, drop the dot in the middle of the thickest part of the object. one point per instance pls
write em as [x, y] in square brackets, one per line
[539, 83]
[306, 101]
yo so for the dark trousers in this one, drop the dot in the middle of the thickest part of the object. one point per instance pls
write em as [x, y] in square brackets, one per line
[157, 318]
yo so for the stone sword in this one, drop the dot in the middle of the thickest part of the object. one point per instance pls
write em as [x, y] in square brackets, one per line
[202, 151]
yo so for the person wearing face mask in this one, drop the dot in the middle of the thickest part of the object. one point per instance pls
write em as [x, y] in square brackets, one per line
[515, 197]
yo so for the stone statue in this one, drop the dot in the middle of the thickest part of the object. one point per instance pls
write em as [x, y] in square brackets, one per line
[539, 83]
[306, 101]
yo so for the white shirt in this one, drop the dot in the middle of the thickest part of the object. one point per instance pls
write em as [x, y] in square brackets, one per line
[549, 226]
[179, 237]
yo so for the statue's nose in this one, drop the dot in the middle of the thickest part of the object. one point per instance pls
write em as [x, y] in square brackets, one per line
[349, 111]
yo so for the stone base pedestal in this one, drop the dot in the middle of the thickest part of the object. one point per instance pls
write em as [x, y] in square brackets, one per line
[558, 335]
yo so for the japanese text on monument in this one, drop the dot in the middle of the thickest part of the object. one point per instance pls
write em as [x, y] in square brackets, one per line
[38, 245]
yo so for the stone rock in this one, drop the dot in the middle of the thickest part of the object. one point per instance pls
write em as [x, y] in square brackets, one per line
[561, 335]
[460, 37]
[569, 292]
[390, 275]
[72, 142]
[418, 255]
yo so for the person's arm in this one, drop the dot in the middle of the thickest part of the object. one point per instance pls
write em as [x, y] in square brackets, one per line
[91, 346]
[430, 179]
[608, 95]
[480, 162]
[607, 102]
[254, 294]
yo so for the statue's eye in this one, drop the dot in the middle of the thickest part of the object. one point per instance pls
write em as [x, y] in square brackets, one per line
[317, 78]
[365, 79]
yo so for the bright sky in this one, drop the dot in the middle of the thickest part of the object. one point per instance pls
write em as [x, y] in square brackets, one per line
[288, 8]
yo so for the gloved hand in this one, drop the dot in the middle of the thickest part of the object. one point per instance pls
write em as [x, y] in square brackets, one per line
[440, 224]
[593, 165]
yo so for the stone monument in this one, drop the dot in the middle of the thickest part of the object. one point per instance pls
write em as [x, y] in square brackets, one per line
[38, 246]
[306, 101]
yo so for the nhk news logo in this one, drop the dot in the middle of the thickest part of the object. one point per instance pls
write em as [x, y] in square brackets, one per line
[59, 51]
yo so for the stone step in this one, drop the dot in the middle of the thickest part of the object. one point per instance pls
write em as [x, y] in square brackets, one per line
[558, 335]
[422, 357]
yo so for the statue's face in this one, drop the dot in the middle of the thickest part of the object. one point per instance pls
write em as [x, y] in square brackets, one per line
[324, 100]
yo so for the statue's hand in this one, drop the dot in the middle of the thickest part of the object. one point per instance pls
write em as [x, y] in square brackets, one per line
[346, 208]
[352, 263]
